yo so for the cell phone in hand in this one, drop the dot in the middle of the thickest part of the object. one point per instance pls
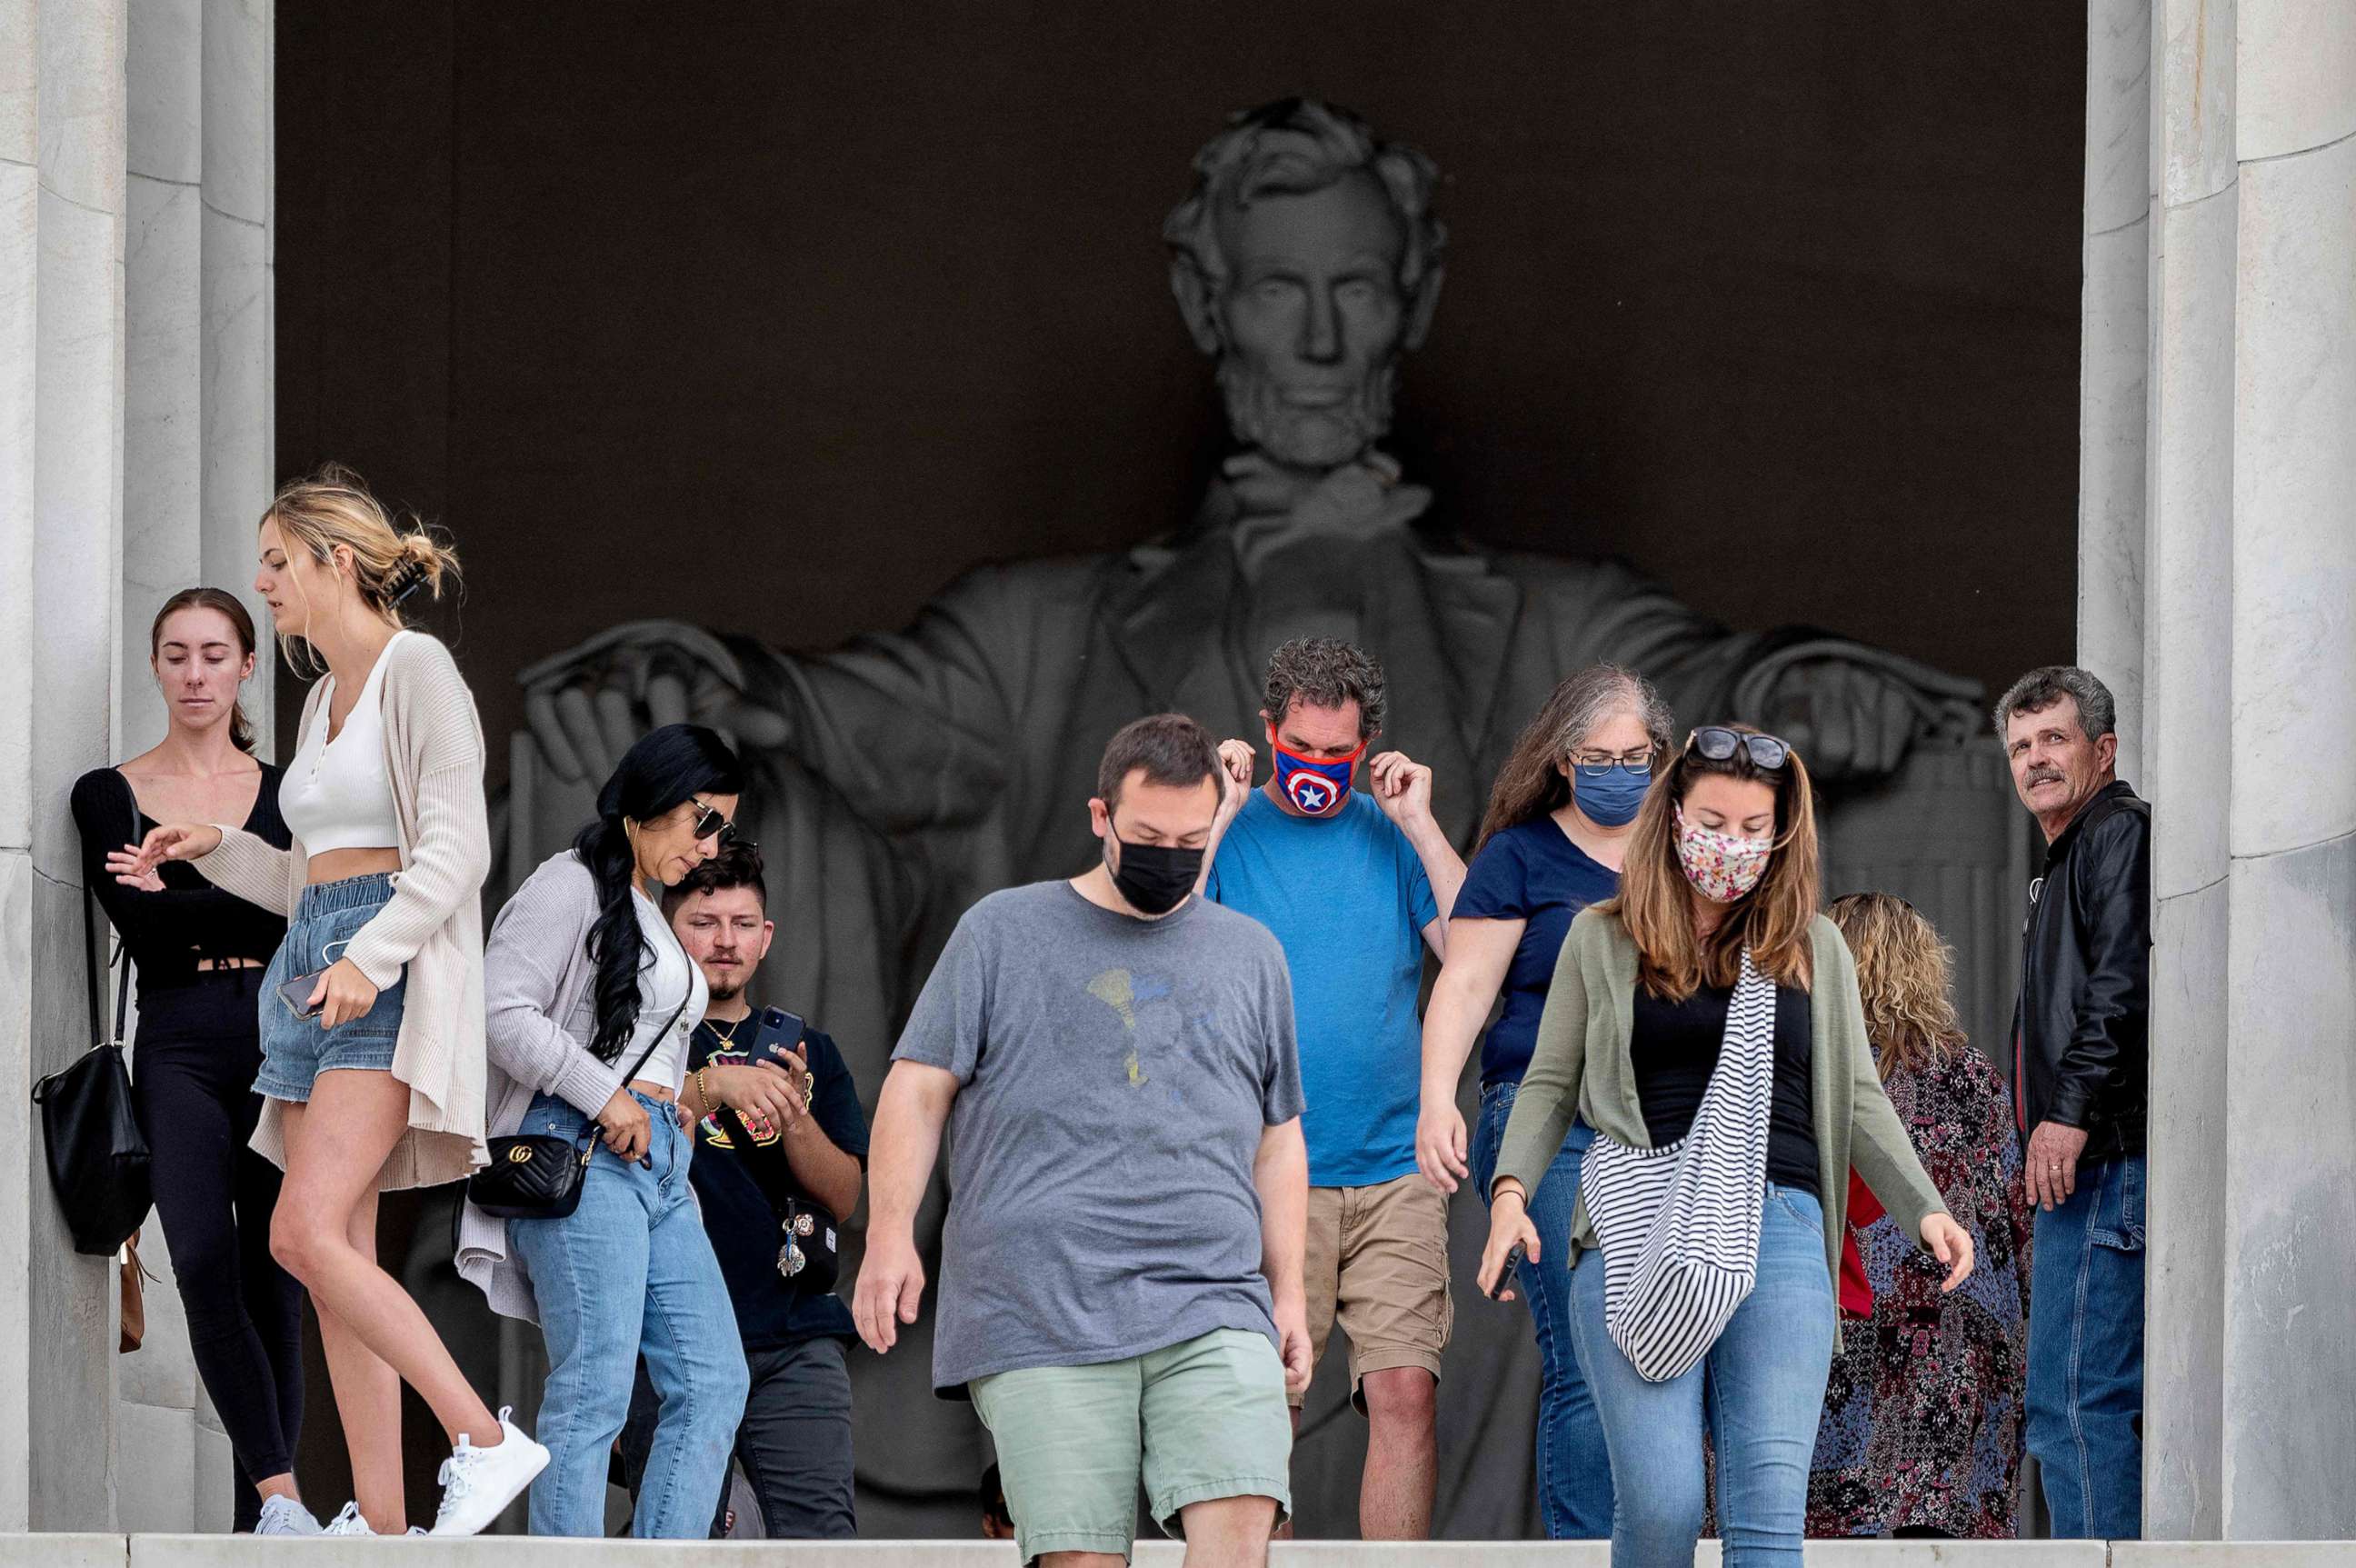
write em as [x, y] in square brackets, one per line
[779, 1033]
[297, 993]
[1505, 1275]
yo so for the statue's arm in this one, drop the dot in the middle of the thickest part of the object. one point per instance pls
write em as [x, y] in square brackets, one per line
[1852, 709]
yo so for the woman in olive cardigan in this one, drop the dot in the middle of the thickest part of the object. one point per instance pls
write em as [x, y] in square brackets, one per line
[1722, 862]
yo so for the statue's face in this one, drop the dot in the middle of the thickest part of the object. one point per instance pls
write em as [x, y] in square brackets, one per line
[1312, 321]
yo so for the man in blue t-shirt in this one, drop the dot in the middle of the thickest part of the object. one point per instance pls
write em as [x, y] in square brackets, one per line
[1355, 886]
[780, 1154]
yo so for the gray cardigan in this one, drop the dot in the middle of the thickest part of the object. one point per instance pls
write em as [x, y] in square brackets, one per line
[1581, 1065]
[540, 1013]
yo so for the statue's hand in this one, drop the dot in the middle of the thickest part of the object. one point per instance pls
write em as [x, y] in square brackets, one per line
[587, 705]
[1854, 712]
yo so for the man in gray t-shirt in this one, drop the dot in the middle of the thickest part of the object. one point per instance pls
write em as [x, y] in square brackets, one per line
[1113, 1059]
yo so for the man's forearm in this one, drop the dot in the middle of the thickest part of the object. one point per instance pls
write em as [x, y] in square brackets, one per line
[824, 1171]
[1281, 1173]
[1442, 866]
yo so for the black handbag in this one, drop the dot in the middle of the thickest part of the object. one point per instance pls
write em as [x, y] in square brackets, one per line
[538, 1176]
[99, 1163]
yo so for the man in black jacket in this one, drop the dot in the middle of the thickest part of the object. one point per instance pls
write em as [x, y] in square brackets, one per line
[2082, 1077]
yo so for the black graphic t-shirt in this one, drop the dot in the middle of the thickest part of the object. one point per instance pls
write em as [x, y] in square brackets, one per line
[739, 1179]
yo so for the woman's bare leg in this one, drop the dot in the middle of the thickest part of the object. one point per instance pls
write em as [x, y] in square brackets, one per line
[368, 1394]
[335, 1146]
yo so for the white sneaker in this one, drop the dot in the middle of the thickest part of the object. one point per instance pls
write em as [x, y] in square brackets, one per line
[284, 1516]
[477, 1484]
[348, 1522]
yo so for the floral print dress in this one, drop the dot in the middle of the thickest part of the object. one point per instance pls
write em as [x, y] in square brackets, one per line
[1922, 1411]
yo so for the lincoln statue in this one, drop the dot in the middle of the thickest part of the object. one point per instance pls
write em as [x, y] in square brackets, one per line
[901, 778]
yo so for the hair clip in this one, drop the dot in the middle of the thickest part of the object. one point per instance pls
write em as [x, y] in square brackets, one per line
[405, 580]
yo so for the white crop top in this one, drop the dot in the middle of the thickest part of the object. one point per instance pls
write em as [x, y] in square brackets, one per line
[659, 989]
[338, 794]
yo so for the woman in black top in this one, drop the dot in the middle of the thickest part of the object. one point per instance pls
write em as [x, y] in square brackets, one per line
[200, 954]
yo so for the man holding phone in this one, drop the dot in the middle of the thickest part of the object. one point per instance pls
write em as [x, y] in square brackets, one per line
[781, 1147]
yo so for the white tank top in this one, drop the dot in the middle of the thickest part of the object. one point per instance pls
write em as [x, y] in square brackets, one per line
[337, 794]
[660, 986]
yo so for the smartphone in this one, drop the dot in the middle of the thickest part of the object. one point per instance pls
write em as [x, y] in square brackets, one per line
[297, 993]
[1505, 1275]
[778, 1034]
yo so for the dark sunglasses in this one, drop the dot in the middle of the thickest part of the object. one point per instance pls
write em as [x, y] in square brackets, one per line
[1716, 743]
[710, 824]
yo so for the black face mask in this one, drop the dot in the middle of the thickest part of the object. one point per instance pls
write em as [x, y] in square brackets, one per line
[1154, 877]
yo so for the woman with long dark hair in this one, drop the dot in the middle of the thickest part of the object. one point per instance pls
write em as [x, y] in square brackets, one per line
[591, 1000]
[1706, 1023]
[200, 953]
[371, 1009]
[1560, 816]
[1922, 1411]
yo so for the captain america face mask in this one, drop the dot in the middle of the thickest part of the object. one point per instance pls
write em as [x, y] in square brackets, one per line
[1317, 786]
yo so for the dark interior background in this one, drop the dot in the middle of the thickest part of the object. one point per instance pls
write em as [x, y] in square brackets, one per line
[779, 318]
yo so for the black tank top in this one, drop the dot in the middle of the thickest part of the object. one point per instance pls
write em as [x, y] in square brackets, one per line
[1673, 1047]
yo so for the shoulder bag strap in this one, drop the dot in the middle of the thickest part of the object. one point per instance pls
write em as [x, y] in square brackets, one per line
[669, 1024]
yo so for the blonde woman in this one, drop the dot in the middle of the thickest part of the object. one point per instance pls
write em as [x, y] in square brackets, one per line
[1706, 1024]
[1921, 1428]
[372, 1011]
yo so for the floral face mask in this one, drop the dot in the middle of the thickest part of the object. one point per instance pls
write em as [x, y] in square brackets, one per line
[1722, 867]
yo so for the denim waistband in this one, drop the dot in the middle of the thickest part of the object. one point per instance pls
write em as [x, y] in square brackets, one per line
[351, 893]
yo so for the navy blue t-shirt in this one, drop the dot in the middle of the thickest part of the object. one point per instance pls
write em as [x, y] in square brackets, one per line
[1529, 872]
[735, 1178]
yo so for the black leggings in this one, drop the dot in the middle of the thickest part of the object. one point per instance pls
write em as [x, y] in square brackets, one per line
[194, 1061]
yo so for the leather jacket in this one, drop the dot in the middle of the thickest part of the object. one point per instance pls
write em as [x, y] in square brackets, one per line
[2081, 1025]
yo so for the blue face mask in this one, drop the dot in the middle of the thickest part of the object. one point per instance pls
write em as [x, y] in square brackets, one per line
[1316, 787]
[1609, 795]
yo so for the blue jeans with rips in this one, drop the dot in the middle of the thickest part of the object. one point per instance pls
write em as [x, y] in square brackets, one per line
[1574, 1470]
[1761, 1389]
[2085, 1354]
[631, 1273]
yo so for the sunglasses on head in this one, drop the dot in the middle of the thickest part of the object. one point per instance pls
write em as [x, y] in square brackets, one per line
[1716, 743]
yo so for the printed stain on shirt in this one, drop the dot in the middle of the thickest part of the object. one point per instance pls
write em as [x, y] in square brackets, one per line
[1124, 993]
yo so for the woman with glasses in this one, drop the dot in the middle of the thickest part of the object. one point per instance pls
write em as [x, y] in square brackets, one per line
[591, 1000]
[1558, 825]
[1706, 1024]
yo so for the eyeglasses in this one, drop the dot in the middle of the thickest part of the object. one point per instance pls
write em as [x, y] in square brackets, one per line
[1716, 743]
[1595, 764]
[710, 824]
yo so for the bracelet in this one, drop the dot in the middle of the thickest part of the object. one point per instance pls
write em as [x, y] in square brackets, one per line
[703, 1091]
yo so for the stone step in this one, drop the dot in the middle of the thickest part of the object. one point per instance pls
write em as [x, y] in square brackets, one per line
[513, 1551]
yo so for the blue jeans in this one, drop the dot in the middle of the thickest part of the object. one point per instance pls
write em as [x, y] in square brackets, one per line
[1761, 1389]
[1574, 1469]
[2085, 1354]
[631, 1273]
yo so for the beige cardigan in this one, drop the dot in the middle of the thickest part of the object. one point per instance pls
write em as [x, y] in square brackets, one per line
[432, 927]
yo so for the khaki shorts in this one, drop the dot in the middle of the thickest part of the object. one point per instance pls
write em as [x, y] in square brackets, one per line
[1378, 1264]
[1197, 1422]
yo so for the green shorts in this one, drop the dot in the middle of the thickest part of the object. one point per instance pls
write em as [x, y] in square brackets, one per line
[1201, 1419]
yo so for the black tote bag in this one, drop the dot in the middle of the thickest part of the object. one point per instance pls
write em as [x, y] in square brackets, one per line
[99, 1163]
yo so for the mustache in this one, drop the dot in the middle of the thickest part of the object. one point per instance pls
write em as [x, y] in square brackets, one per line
[2044, 775]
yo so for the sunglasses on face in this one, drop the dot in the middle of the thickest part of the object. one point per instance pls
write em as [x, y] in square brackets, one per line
[1716, 743]
[710, 824]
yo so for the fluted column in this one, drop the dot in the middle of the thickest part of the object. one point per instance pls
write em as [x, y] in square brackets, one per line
[2242, 608]
[61, 360]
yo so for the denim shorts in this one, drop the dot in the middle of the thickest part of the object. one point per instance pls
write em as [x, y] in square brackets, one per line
[295, 1051]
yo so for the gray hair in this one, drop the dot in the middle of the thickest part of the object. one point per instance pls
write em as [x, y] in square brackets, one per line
[1602, 691]
[1325, 673]
[2098, 712]
[1293, 148]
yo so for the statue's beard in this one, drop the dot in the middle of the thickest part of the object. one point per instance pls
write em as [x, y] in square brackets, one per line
[1307, 437]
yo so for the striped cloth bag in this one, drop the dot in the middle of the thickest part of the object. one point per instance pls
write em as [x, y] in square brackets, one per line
[1679, 1226]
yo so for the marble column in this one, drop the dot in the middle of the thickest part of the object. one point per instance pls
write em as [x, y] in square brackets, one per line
[2236, 613]
[135, 418]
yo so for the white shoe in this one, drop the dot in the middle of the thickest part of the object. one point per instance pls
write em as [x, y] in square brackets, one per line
[284, 1516]
[348, 1522]
[477, 1484]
